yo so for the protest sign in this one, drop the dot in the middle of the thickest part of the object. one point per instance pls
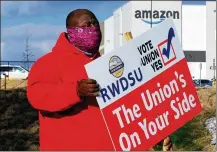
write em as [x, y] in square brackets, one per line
[146, 89]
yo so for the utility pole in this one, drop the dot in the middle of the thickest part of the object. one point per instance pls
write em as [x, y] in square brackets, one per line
[27, 54]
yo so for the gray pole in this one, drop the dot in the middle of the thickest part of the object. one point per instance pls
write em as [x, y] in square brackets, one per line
[200, 73]
[151, 13]
[214, 68]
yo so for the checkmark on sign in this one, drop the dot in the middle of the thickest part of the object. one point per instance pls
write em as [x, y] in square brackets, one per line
[166, 48]
[166, 51]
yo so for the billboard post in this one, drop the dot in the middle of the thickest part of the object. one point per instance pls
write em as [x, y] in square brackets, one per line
[214, 68]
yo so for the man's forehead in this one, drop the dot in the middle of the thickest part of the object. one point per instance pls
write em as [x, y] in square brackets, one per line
[81, 16]
[84, 14]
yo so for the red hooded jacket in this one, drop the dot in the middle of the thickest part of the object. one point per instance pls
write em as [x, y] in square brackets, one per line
[66, 122]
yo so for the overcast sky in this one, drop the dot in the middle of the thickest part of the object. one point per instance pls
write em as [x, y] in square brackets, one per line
[45, 20]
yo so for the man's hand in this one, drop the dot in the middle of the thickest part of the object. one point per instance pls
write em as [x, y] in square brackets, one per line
[88, 87]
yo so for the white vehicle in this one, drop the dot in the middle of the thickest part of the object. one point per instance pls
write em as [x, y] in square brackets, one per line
[13, 72]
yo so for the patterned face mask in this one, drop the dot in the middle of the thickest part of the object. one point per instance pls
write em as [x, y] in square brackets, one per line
[86, 39]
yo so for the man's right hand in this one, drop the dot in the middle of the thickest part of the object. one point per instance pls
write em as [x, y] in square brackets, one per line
[88, 87]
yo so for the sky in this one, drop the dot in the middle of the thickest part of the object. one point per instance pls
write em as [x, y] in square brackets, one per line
[44, 21]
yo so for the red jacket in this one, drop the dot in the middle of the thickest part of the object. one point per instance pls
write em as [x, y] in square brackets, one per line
[66, 122]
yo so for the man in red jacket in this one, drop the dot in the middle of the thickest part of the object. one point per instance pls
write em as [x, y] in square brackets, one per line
[58, 87]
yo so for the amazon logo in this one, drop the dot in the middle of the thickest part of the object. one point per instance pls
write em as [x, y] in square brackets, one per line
[156, 16]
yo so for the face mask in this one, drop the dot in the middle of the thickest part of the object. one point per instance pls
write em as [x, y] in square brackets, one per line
[86, 39]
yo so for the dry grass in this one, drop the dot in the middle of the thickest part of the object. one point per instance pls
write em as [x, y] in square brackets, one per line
[19, 124]
[12, 84]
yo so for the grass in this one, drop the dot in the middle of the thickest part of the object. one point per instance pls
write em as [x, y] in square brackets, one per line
[193, 136]
[19, 124]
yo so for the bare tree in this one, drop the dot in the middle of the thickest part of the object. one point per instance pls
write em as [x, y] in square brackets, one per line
[27, 54]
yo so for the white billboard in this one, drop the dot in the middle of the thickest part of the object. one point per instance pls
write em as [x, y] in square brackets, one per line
[210, 38]
[194, 27]
[147, 14]
[138, 25]
[109, 35]
[118, 27]
[126, 19]
[139, 16]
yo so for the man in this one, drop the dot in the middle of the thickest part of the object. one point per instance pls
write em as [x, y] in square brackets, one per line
[58, 87]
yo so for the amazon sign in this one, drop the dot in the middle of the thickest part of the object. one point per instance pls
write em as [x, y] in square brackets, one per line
[146, 15]
[155, 16]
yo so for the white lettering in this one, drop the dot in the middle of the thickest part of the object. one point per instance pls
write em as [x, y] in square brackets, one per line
[117, 112]
[177, 115]
[135, 139]
[144, 128]
[184, 106]
[150, 106]
[191, 100]
[129, 114]
[152, 127]
[153, 99]
[121, 138]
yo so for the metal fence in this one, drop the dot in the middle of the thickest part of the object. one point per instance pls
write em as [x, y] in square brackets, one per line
[13, 79]
[24, 64]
